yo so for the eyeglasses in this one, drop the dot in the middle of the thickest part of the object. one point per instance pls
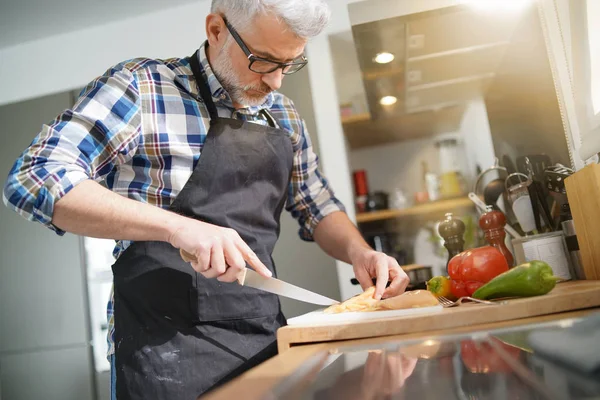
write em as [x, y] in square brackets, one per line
[262, 65]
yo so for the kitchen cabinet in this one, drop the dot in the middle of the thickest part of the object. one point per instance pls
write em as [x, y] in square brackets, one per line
[44, 338]
[61, 373]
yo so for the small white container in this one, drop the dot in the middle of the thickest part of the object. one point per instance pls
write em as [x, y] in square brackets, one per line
[548, 247]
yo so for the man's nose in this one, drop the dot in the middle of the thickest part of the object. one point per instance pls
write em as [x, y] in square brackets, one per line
[274, 79]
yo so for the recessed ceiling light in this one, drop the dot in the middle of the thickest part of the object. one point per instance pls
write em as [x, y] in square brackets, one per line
[388, 100]
[384, 58]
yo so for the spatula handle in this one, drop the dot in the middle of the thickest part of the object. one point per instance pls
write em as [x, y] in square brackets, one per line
[188, 257]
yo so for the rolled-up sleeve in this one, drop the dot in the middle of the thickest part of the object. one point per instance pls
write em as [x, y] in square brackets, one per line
[85, 142]
[310, 198]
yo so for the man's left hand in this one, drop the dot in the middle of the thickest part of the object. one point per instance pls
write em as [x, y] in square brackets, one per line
[369, 264]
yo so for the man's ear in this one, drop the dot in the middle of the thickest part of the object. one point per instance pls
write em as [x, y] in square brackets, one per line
[216, 31]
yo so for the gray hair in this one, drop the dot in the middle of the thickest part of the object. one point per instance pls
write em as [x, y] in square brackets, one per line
[306, 18]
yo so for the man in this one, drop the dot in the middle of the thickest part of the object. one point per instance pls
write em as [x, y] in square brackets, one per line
[199, 155]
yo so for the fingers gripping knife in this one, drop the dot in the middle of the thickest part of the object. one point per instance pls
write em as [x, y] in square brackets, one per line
[251, 278]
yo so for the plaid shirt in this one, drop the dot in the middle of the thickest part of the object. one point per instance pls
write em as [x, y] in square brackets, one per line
[139, 129]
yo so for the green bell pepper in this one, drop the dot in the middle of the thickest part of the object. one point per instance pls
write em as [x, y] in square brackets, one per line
[534, 278]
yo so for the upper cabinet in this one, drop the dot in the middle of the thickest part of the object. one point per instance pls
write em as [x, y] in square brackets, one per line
[412, 76]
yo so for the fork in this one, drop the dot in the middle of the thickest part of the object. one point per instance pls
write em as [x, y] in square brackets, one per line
[449, 303]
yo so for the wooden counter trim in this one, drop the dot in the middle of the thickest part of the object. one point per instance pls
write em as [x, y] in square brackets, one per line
[257, 382]
[567, 296]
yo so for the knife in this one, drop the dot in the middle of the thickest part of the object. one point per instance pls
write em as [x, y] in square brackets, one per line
[253, 279]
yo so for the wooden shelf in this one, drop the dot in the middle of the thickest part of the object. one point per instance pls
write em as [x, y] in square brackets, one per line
[362, 131]
[421, 209]
[356, 118]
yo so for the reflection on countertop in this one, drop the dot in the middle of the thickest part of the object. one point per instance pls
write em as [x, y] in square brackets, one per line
[485, 365]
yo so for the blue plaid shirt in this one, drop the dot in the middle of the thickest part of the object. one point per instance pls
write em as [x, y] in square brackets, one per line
[139, 129]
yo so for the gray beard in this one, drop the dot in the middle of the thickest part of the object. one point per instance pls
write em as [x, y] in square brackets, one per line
[223, 69]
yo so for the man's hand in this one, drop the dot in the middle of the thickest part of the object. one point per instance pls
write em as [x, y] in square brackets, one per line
[368, 264]
[219, 252]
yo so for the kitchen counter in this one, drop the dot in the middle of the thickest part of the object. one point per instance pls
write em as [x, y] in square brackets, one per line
[565, 297]
[300, 368]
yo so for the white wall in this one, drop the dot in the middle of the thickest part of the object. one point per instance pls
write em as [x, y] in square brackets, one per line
[398, 165]
[477, 136]
[69, 61]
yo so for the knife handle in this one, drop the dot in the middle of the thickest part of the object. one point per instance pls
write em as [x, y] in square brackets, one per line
[187, 257]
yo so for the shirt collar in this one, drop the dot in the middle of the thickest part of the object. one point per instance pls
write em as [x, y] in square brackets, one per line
[219, 94]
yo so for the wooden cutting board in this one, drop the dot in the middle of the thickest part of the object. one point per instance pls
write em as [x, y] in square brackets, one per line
[566, 296]
[320, 318]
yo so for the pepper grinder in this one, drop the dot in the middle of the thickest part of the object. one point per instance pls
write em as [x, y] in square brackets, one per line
[452, 230]
[492, 223]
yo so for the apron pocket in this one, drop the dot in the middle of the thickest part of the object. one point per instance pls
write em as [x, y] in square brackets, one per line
[234, 302]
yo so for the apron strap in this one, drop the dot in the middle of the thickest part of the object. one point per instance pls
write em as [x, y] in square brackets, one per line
[203, 86]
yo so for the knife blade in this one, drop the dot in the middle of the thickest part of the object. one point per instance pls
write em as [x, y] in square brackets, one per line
[276, 286]
[273, 285]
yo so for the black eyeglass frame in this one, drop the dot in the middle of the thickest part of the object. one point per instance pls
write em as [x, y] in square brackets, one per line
[252, 58]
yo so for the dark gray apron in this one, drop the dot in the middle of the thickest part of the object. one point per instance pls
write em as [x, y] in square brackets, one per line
[178, 334]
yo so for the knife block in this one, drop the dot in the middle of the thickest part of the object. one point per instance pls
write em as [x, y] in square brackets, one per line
[583, 192]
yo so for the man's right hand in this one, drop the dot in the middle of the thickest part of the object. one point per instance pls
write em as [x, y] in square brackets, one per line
[219, 252]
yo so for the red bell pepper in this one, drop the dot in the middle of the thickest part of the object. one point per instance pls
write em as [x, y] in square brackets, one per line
[473, 268]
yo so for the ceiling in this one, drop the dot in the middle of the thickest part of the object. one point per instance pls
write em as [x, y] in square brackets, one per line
[27, 20]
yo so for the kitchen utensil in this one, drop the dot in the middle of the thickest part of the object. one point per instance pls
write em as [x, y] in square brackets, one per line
[555, 178]
[519, 188]
[524, 212]
[548, 247]
[482, 208]
[520, 199]
[381, 242]
[418, 274]
[493, 191]
[568, 228]
[253, 279]
[447, 303]
[535, 164]
[495, 167]
[377, 201]
[541, 212]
